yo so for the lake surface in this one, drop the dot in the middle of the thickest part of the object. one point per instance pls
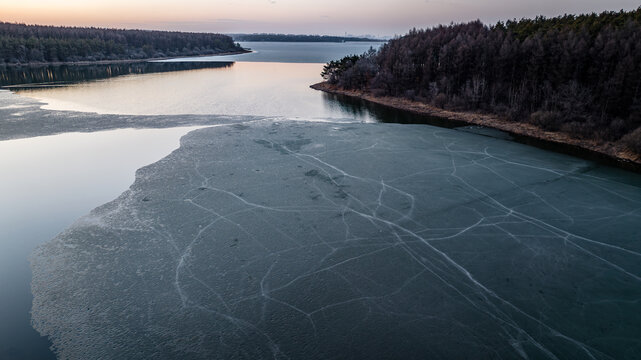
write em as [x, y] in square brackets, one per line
[49, 181]
[272, 81]
[244, 88]
[294, 52]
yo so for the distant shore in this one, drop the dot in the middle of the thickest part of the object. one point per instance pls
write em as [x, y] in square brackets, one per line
[603, 152]
[121, 61]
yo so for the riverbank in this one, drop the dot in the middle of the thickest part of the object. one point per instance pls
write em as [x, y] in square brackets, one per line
[121, 61]
[603, 152]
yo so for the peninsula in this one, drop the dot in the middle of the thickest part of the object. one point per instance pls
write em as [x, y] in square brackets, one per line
[573, 81]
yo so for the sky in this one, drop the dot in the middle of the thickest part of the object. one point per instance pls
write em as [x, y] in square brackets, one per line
[331, 17]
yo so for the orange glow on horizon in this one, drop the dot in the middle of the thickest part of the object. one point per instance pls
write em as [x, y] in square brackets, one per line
[382, 17]
[93, 14]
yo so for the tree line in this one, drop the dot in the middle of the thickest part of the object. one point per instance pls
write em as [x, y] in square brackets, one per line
[297, 38]
[28, 76]
[23, 44]
[576, 74]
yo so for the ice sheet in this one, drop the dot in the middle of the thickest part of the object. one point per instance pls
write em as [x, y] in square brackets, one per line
[344, 241]
[22, 117]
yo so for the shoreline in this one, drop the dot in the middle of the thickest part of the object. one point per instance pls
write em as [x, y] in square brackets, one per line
[120, 61]
[605, 152]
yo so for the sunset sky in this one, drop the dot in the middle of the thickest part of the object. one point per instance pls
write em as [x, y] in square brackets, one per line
[336, 17]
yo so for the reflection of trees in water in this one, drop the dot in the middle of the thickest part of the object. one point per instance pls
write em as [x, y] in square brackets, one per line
[360, 108]
[74, 73]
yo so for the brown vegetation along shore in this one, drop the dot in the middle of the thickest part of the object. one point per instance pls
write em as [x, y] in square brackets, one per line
[607, 152]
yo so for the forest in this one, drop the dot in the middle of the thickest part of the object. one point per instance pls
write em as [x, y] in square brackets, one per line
[24, 44]
[579, 75]
[30, 76]
[297, 38]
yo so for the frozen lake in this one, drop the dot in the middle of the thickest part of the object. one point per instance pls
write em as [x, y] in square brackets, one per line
[376, 241]
[300, 227]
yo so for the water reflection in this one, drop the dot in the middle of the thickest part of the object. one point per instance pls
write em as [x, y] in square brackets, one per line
[163, 88]
[21, 76]
[246, 88]
[361, 108]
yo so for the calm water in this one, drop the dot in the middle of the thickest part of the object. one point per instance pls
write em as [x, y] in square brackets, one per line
[272, 81]
[46, 183]
[245, 88]
[293, 52]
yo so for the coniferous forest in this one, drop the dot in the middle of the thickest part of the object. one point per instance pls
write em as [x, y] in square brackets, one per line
[23, 44]
[580, 75]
